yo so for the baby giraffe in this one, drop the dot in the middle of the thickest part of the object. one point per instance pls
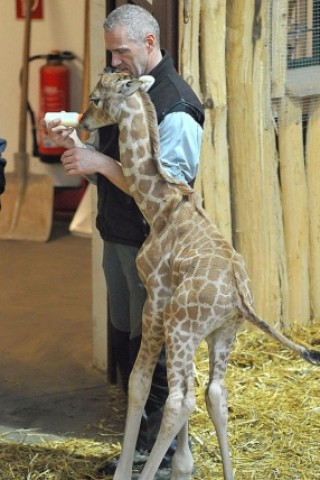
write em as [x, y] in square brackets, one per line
[196, 283]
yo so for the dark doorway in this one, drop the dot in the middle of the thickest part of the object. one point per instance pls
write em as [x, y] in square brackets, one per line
[166, 12]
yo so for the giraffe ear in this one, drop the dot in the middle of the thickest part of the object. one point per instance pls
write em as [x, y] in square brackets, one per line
[129, 86]
[147, 82]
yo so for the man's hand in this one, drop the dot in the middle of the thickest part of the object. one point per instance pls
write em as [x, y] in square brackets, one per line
[62, 136]
[82, 161]
[87, 161]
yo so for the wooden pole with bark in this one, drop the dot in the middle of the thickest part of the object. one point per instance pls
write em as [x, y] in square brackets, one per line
[312, 165]
[215, 157]
[295, 208]
[256, 205]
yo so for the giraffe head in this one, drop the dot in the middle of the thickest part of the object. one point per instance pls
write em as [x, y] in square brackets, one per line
[107, 97]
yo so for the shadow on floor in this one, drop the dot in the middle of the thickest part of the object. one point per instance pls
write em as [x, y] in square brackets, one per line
[47, 381]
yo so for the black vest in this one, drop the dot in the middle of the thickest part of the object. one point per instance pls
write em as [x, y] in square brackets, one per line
[119, 219]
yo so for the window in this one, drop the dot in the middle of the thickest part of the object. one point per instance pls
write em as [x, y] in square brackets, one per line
[303, 47]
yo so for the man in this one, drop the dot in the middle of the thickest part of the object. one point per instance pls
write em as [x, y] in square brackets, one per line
[132, 37]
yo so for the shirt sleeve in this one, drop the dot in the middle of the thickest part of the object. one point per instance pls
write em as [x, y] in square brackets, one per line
[180, 145]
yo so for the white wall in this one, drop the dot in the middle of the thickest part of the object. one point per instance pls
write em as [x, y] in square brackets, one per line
[62, 28]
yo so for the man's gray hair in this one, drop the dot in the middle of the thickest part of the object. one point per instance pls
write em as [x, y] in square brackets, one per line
[137, 21]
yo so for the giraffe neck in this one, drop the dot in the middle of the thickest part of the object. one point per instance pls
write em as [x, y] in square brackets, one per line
[139, 154]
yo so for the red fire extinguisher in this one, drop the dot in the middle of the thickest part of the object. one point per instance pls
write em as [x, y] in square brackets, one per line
[54, 97]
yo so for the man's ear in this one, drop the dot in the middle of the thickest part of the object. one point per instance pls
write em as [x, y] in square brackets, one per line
[146, 82]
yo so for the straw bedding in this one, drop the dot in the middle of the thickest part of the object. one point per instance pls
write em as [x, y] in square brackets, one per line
[274, 422]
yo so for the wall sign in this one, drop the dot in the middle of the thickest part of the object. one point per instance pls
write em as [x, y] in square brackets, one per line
[37, 9]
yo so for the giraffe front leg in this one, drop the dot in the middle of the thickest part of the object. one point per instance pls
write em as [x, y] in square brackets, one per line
[139, 387]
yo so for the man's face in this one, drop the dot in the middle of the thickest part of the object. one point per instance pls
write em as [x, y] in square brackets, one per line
[127, 56]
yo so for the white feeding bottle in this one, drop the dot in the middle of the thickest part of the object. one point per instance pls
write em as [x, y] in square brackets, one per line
[68, 119]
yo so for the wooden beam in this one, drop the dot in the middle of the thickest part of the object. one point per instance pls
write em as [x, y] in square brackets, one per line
[295, 208]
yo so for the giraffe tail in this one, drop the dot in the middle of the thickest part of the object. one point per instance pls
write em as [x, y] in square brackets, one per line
[311, 356]
[247, 311]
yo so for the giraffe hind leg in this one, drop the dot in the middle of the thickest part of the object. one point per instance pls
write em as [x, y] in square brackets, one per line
[219, 346]
[182, 461]
[174, 422]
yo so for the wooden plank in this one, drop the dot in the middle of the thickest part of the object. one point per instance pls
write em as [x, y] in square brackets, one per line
[295, 208]
[312, 162]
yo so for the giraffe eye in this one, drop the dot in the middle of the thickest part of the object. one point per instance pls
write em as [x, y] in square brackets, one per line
[95, 101]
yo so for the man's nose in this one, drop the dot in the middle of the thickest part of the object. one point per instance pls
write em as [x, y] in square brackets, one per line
[115, 60]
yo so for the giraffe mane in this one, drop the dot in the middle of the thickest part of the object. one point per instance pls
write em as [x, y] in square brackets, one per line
[155, 145]
[152, 124]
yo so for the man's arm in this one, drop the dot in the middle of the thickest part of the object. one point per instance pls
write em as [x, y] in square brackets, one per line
[80, 159]
[180, 146]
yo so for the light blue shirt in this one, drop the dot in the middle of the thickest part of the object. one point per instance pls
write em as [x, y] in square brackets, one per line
[180, 145]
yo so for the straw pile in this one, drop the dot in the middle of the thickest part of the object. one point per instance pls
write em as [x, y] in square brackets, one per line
[274, 422]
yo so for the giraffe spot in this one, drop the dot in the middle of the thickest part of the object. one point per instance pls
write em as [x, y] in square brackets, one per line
[219, 310]
[204, 312]
[173, 382]
[126, 156]
[157, 189]
[149, 169]
[133, 103]
[222, 357]
[141, 151]
[181, 354]
[123, 135]
[193, 312]
[138, 129]
[126, 114]
[145, 185]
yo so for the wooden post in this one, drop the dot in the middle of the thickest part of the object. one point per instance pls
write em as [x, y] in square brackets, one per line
[189, 23]
[256, 206]
[312, 162]
[279, 25]
[215, 158]
[189, 62]
[295, 208]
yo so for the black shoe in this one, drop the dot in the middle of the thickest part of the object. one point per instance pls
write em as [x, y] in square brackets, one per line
[139, 460]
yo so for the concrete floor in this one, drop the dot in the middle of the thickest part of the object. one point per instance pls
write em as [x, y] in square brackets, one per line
[48, 385]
